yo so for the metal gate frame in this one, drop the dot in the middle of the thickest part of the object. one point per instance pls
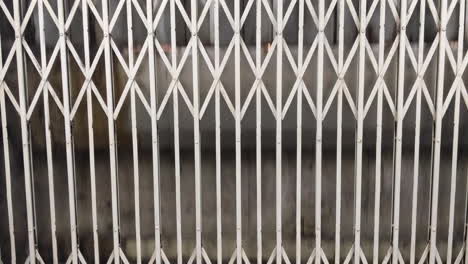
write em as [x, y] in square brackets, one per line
[65, 51]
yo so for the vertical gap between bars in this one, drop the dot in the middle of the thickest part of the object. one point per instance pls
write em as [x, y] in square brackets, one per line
[456, 121]
[437, 133]
[111, 130]
[48, 136]
[417, 135]
[89, 105]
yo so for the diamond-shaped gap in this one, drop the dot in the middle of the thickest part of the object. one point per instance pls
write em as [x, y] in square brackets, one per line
[186, 4]
[50, 28]
[289, 78]
[205, 80]
[76, 80]
[247, 76]
[119, 33]
[5, 22]
[139, 32]
[206, 31]
[310, 28]
[370, 74]
[226, 31]
[56, 83]
[431, 26]
[410, 77]
[350, 30]
[248, 30]
[185, 85]
[449, 78]
[206, 57]
[451, 54]
[32, 79]
[6, 46]
[453, 24]
[412, 34]
[227, 77]
[310, 77]
[373, 22]
[121, 83]
[413, 25]
[164, 61]
[11, 80]
[290, 30]
[431, 74]
[29, 30]
[330, 75]
[74, 14]
[163, 28]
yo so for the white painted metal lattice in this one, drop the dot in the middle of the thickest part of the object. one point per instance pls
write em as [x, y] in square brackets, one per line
[279, 54]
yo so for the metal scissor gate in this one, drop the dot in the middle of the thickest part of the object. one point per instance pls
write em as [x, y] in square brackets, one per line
[53, 54]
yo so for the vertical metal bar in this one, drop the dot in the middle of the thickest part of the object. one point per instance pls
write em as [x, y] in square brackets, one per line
[89, 106]
[378, 144]
[48, 137]
[68, 131]
[136, 171]
[318, 134]
[359, 129]
[154, 128]
[339, 129]
[300, 51]
[278, 115]
[219, 236]
[6, 156]
[196, 131]
[111, 128]
[258, 132]
[175, 99]
[399, 132]
[437, 132]
[422, 16]
[456, 121]
[27, 164]
[238, 131]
